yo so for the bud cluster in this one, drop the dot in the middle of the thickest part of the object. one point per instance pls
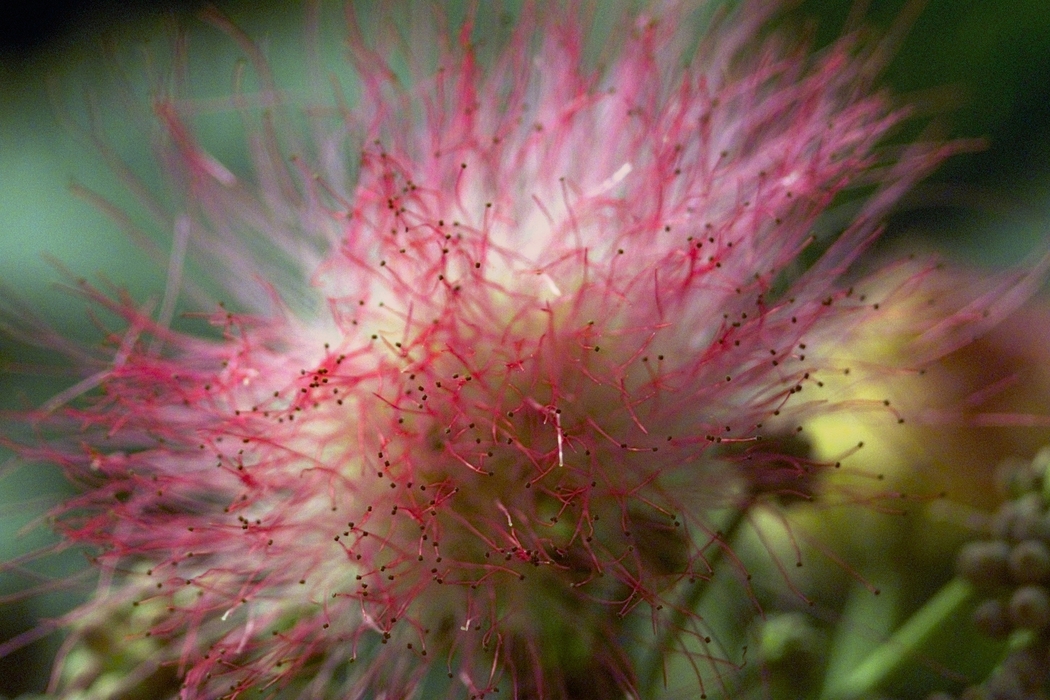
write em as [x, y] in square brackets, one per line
[1012, 566]
[1011, 571]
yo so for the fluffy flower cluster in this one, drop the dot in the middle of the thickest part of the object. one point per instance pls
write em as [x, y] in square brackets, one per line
[498, 349]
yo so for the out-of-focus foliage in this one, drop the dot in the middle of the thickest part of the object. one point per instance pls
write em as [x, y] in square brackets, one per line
[975, 70]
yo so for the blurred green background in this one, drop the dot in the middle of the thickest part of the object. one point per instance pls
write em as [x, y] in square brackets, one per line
[977, 68]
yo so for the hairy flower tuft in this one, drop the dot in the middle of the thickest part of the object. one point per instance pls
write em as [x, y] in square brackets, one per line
[501, 347]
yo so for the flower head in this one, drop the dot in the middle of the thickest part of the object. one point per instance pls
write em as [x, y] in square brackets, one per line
[499, 350]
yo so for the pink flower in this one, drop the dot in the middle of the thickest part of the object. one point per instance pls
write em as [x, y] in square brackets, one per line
[500, 348]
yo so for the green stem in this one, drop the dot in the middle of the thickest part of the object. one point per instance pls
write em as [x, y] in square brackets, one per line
[652, 669]
[905, 643]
